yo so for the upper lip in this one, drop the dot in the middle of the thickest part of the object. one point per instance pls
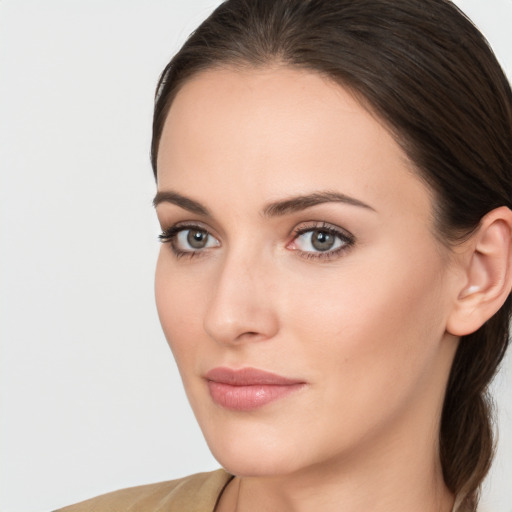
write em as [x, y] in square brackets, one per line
[248, 377]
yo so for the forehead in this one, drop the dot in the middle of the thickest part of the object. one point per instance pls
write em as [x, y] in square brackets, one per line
[274, 132]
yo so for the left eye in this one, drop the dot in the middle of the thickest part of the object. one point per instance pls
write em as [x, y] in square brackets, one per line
[320, 240]
[194, 239]
[188, 240]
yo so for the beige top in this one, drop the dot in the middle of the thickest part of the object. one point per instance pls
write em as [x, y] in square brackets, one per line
[195, 493]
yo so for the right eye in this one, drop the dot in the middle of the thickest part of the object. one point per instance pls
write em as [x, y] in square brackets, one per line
[188, 240]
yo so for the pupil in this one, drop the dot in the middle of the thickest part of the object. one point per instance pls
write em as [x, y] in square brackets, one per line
[322, 241]
[197, 239]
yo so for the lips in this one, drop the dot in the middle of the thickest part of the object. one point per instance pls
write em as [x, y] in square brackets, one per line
[248, 388]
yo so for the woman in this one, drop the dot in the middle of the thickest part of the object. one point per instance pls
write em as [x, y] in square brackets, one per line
[333, 186]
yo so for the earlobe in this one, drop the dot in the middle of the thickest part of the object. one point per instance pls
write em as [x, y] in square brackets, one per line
[488, 273]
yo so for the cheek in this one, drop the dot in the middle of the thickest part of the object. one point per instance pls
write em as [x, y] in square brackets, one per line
[372, 331]
[357, 297]
[178, 303]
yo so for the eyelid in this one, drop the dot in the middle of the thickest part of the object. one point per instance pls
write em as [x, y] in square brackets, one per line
[185, 224]
[304, 227]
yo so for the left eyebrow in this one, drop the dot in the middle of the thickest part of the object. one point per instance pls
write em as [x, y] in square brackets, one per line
[298, 203]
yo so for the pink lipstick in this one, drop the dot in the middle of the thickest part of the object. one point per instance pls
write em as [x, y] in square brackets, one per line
[248, 388]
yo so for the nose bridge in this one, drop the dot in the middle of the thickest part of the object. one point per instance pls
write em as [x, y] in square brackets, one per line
[240, 304]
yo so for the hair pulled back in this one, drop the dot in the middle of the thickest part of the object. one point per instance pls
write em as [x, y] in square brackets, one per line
[425, 70]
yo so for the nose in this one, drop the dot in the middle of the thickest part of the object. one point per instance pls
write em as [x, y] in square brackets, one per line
[241, 307]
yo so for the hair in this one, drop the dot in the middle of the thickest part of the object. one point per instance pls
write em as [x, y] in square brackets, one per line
[424, 69]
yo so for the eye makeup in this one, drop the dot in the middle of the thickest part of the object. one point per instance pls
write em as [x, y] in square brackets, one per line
[311, 240]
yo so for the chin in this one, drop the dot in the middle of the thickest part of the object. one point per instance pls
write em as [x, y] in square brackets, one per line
[252, 450]
[261, 451]
[253, 463]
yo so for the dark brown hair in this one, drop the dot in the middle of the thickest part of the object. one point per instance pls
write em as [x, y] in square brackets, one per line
[425, 70]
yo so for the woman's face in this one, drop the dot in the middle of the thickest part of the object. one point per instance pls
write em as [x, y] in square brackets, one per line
[300, 248]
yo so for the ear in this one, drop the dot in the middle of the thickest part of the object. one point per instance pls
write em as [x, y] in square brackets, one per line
[487, 273]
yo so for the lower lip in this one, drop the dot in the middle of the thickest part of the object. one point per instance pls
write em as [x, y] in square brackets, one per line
[249, 397]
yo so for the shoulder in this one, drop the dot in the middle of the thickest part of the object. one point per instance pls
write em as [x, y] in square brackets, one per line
[195, 493]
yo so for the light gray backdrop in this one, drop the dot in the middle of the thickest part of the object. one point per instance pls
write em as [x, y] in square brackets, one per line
[90, 397]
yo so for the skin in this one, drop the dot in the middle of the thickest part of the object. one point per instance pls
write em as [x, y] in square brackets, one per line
[365, 328]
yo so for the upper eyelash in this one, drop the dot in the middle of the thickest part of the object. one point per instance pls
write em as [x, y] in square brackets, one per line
[328, 228]
[168, 234]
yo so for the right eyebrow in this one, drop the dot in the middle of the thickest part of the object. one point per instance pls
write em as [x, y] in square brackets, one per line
[192, 206]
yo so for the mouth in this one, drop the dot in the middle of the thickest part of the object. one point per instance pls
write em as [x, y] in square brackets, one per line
[248, 388]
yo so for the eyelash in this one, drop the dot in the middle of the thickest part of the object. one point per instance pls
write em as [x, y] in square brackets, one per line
[347, 239]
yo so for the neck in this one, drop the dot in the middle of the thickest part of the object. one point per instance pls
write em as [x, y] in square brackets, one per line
[377, 488]
[377, 491]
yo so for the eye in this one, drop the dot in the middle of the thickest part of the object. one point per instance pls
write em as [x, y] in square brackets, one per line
[188, 240]
[321, 241]
[193, 239]
[318, 240]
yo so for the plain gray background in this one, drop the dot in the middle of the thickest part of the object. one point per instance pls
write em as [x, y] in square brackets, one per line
[90, 397]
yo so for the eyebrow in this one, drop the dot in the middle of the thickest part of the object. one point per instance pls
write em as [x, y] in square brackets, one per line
[274, 209]
[298, 203]
[181, 201]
